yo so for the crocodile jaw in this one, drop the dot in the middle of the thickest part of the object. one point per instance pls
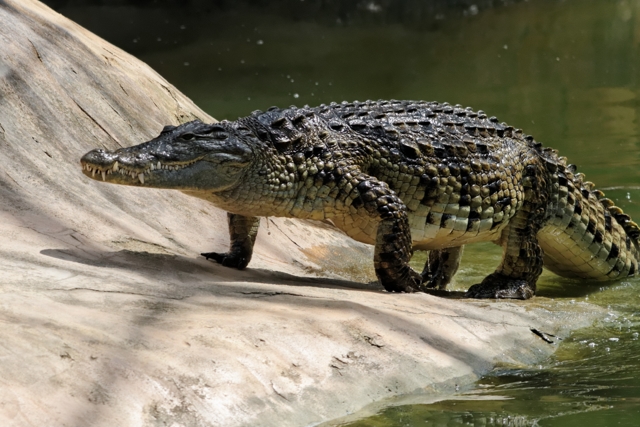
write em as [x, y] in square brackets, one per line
[105, 166]
[199, 174]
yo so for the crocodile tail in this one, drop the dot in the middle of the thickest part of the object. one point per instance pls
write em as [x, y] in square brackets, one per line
[587, 236]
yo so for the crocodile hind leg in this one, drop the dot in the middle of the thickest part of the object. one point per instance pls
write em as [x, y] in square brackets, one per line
[441, 266]
[242, 232]
[521, 263]
[522, 257]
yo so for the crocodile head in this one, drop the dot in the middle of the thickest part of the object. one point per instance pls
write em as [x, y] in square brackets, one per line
[194, 156]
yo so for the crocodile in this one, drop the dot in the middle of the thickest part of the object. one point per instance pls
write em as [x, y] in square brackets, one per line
[401, 175]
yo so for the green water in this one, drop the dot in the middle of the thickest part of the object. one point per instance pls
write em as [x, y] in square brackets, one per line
[565, 71]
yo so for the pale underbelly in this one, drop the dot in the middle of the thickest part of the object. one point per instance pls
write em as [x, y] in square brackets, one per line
[452, 232]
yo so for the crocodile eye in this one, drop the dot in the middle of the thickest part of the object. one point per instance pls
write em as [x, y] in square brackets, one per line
[217, 132]
[220, 136]
[187, 136]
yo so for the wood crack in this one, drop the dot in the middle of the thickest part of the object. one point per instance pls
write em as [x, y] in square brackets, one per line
[119, 292]
[273, 387]
[283, 233]
[36, 51]
[96, 122]
[273, 294]
[544, 336]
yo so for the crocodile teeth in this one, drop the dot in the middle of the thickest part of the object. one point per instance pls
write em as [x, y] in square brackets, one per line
[93, 173]
[104, 175]
[152, 167]
[115, 167]
[141, 178]
[159, 165]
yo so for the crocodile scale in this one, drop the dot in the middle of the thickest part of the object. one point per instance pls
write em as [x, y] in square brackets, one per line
[402, 175]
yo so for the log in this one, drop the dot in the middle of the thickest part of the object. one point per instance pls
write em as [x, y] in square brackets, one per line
[110, 318]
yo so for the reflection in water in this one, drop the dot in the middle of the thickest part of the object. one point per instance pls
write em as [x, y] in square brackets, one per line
[565, 71]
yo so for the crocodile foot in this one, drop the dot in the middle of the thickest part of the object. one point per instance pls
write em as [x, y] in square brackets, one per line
[409, 282]
[228, 259]
[440, 267]
[498, 286]
[434, 282]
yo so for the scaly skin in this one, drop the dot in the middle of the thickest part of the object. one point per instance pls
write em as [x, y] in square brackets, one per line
[402, 175]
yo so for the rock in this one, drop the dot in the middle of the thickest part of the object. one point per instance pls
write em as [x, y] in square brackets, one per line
[110, 317]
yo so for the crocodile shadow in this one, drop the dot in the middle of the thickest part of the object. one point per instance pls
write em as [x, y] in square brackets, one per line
[157, 265]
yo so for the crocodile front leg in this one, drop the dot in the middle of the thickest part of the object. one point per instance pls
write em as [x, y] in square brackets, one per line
[393, 248]
[242, 232]
[441, 266]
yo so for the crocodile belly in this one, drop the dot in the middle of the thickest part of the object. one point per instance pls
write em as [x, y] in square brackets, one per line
[438, 230]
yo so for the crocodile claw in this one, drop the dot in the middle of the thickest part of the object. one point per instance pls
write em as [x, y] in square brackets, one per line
[410, 282]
